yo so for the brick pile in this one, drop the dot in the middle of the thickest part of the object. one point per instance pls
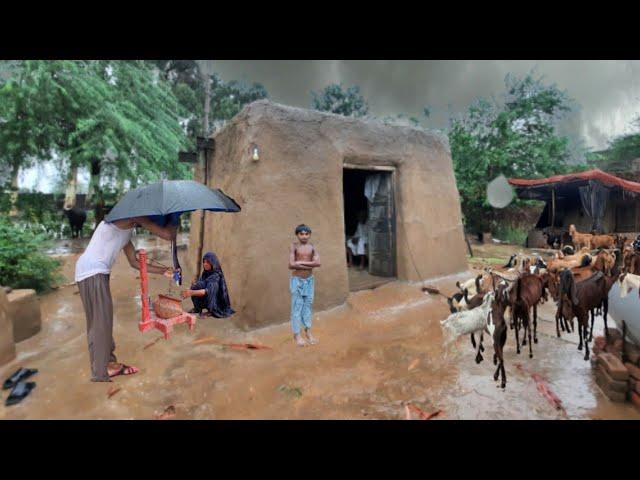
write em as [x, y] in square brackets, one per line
[617, 369]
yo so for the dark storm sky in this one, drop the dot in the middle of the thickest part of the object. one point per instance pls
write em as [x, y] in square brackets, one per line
[607, 93]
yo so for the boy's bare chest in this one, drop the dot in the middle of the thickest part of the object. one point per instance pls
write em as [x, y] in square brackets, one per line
[304, 252]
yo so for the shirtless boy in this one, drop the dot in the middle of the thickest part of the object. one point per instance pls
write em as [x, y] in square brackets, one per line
[303, 258]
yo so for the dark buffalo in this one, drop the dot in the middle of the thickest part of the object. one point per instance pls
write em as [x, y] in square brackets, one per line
[76, 217]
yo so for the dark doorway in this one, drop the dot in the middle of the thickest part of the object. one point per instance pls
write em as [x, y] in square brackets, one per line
[368, 200]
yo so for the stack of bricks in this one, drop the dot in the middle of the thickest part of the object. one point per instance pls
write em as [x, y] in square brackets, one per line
[617, 369]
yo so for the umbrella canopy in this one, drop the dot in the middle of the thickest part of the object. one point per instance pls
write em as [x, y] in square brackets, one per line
[171, 197]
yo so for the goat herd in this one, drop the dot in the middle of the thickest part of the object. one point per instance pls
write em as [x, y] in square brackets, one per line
[579, 283]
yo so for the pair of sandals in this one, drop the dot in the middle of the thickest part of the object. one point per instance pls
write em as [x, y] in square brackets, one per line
[19, 388]
[200, 313]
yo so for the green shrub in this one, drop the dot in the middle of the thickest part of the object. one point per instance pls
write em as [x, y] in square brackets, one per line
[22, 263]
[511, 234]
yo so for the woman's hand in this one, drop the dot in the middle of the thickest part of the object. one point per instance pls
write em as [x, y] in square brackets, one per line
[168, 273]
[186, 293]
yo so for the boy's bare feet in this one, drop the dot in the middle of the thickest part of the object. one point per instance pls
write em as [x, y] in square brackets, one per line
[299, 340]
[310, 338]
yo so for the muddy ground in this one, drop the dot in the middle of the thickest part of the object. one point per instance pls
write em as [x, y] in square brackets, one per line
[377, 353]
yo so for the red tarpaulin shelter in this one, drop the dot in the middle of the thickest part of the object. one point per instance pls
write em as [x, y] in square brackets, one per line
[592, 200]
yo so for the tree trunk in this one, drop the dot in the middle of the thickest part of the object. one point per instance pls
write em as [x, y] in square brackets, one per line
[207, 101]
[72, 187]
[94, 181]
[14, 190]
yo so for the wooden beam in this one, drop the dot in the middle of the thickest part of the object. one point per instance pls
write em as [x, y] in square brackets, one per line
[188, 157]
[383, 168]
[205, 143]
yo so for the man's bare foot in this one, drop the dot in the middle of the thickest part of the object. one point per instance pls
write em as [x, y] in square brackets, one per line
[115, 369]
[299, 341]
[311, 339]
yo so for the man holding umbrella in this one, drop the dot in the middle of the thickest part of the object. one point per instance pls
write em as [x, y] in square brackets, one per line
[157, 208]
[92, 276]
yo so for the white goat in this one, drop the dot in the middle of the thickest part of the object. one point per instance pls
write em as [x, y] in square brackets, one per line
[468, 322]
[629, 282]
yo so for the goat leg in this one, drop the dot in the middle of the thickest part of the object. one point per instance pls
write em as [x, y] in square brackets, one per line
[517, 337]
[478, 354]
[535, 323]
[586, 345]
[580, 333]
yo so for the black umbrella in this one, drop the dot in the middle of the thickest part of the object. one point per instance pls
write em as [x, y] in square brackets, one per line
[171, 197]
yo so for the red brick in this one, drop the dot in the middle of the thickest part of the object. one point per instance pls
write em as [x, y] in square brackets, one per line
[603, 379]
[614, 334]
[635, 399]
[611, 394]
[634, 385]
[633, 370]
[632, 352]
[613, 366]
[599, 342]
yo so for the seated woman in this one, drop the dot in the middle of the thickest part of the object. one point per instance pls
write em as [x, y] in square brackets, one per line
[357, 244]
[210, 291]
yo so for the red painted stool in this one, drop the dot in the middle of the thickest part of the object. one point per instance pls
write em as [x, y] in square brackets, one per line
[149, 318]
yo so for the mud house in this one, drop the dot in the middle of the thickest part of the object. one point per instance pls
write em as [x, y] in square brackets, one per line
[287, 166]
[592, 200]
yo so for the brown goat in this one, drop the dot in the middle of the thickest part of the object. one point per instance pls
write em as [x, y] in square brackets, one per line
[603, 241]
[580, 239]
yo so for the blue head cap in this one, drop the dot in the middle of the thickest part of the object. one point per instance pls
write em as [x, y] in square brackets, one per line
[164, 220]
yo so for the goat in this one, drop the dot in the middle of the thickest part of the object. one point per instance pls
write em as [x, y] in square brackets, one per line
[472, 286]
[603, 241]
[578, 299]
[498, 308]
[529, 291]
[468, 322]
[580, 239]
[628, 282]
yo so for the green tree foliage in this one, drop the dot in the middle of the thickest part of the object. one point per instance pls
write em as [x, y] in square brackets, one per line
[21, 263]
[335, 99]
[617, 158]
[516, 138]
[118, 114]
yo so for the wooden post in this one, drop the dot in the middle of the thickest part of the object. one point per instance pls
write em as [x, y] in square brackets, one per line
[144, 289]
[553, 208]
[205, 145]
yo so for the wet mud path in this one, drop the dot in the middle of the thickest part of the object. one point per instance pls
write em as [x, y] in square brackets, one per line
[377, 353]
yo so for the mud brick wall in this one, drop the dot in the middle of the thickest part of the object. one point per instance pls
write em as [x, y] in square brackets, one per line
[616, 365]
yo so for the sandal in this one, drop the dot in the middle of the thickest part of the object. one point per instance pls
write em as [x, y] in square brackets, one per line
[19, 392]
[124, 370]
[21, 374]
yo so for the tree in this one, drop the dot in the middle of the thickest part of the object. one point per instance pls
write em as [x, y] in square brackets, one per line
[188, 79]
[333, 98]
[622, 150]
[516, 138]
[115, 114]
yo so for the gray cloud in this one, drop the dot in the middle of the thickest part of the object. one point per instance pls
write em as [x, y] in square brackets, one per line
[607, 92]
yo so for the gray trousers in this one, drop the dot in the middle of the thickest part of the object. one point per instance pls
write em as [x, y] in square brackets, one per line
[98, 308]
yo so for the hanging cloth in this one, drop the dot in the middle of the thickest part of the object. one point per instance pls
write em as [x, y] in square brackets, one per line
[594, 198]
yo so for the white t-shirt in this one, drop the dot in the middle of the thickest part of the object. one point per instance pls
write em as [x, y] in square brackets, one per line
[103, 248]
